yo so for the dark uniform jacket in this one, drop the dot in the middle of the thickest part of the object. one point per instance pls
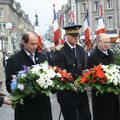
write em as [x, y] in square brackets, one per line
[37, 108]
[65, 59]
[51, 57]
[105, 107]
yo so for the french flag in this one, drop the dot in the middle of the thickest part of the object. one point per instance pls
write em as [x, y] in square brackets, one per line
[101, 25]
[56, 28]
[87, 31]
[39, 45]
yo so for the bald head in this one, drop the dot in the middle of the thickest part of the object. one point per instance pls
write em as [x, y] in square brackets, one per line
[103, 41]
[103, 36]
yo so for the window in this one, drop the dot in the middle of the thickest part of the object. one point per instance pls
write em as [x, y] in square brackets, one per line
[109, 4]
[84, 7]
[110, 22]
[1, 12]
[96, 3]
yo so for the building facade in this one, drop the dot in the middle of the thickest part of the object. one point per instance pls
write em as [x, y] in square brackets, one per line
[13, 22]
[111, 14]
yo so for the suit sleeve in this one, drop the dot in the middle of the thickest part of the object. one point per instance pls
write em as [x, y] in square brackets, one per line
[59, 60]
[10, 70]
[42, 57]
[1, 100]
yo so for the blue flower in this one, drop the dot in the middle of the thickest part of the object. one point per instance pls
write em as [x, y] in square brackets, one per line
[26, 69]
[13, 84]
[22, 73]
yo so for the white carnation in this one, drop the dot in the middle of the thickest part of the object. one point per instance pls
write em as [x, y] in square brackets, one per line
[35, 69]
[59, 75]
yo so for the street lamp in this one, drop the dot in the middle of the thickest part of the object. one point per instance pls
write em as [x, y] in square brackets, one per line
[9, 38]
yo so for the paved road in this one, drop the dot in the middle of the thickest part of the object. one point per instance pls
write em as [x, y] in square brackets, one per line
[7, 113]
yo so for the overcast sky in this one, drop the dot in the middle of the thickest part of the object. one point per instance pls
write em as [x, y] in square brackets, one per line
[44, 9]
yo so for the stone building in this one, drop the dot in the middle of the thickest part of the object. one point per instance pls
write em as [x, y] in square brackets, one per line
[111, 14]
[13, 22]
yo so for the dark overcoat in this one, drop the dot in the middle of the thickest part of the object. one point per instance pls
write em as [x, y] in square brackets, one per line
[1, 100]
[51, 57]
[105, 107]
[38, 108]
[65, 59]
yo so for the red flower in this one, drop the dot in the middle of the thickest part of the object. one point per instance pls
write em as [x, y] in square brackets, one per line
[100, 74]
[61, 79]
[93, 81]
[103, 80]
[87, 74]
[64, 74]
[57, 69]
[98, 67]
[71, 77]
[84, 80]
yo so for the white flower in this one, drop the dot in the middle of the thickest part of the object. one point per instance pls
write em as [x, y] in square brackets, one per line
[115, 82]
[59, 75]
[21, 87]
[50, 73]
[50, 83]
[112, 73]
[44, 66]
[35, 69]
[44, 81]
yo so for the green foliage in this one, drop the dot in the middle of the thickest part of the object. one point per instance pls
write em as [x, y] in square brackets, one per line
[116, 51]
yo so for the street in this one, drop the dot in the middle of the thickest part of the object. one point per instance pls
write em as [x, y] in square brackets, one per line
[7, 113]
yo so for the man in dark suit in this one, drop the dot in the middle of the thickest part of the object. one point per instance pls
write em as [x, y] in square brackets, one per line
[105, 107]
[74, 106]
[38, 108]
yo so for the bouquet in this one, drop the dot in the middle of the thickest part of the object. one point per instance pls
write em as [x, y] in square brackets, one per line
[63, 79]
[116, 52]
[38, 79]
[103, 78]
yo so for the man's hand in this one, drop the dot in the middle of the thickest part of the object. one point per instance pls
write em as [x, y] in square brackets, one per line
[7, 100]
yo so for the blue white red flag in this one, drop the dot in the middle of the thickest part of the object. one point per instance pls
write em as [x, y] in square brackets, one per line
[56, 28]
[101, 25]
[87, 34]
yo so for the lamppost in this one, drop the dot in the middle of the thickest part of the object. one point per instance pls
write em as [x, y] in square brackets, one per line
[9, 37]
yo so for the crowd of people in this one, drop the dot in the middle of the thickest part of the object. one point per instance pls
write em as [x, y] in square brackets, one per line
[72, 57]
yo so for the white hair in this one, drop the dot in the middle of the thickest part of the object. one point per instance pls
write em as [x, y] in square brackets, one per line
[102, 36]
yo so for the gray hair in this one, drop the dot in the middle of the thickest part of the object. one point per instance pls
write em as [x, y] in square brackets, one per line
[102, 36]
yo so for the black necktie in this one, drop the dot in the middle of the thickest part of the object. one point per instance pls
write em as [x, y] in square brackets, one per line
[75, 57]
[31, 57]
[73, 50]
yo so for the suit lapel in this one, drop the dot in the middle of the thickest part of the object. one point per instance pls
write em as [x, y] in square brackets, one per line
[27, 57]
[68, 50]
